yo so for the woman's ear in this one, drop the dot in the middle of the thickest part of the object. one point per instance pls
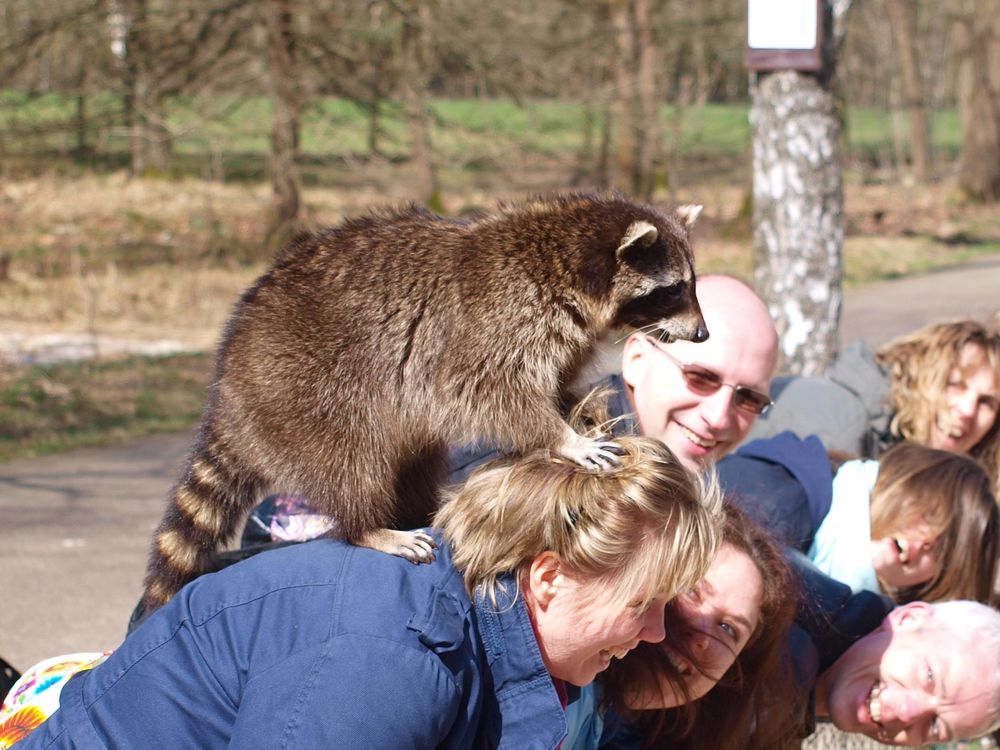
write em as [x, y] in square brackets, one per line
[544, 578]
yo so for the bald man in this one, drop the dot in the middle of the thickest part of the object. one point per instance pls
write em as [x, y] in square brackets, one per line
[699, 399]
[702, 399]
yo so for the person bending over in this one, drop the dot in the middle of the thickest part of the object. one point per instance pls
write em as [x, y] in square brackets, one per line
[546, 573]
[929, 673]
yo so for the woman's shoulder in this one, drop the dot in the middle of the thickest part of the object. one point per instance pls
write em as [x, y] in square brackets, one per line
[325, 581]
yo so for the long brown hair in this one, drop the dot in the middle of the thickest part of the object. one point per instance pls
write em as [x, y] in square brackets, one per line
[954, 496]
[749, 707]
[920, 365]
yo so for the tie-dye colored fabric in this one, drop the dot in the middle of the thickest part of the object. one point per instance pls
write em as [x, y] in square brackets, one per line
[35, 696]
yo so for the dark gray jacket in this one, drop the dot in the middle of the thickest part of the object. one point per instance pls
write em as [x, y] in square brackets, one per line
[847, 408]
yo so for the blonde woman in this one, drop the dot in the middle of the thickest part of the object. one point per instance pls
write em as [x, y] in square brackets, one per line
[945, 389]
[545, 572]
[939, 386]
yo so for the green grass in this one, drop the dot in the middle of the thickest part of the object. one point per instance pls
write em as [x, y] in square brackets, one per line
[871, 131]
[51, 409]
[236, 129]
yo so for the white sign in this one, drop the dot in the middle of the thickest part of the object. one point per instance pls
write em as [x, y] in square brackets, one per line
[781, 24]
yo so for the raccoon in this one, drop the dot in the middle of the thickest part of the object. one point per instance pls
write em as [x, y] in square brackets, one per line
[346, 370]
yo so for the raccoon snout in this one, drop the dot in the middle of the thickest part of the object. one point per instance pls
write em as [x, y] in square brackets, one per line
[699, 334]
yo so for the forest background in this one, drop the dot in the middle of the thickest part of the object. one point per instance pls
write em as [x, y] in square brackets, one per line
[155, 153]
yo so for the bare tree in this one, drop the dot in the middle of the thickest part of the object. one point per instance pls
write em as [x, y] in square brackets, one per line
[636, 101]
[902, 16]
[648, 105]
[979, 98]
[415, 55]
[150, 141]
[798, 212]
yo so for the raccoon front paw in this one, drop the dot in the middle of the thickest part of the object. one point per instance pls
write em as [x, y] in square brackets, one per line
[592, 453]
[415, 546]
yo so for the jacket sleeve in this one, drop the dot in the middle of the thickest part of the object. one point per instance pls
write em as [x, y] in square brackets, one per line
[354, 692]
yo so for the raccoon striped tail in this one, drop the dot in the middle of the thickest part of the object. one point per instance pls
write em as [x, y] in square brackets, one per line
[203, 511]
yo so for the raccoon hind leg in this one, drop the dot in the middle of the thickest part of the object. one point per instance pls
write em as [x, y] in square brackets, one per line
[416, 489]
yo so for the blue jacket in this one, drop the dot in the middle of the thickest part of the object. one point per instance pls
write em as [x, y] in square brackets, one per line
[783, 483]
[318, 645]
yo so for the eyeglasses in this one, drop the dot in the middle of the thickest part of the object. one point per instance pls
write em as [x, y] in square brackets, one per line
[704, 382]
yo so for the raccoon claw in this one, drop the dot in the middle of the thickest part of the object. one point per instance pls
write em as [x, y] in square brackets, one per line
[596, 453]
[605, 456]
[419, 548]
[415, 546]
[607, 444]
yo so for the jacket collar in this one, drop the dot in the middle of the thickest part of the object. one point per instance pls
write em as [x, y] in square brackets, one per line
[530, 714]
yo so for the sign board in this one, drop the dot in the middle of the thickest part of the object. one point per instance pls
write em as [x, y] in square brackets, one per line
[784, 35]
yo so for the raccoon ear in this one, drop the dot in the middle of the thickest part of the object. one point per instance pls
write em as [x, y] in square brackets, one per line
[638, 231]
[689, 215]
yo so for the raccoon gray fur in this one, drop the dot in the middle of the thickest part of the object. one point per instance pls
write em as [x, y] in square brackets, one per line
[347, 369]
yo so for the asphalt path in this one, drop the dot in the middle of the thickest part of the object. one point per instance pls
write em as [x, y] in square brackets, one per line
[74, 528]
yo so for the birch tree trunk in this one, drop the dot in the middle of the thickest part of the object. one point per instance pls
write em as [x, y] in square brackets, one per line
[284, 157]
[798, 215]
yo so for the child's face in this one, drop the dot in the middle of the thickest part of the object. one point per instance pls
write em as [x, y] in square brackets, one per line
[907, 557]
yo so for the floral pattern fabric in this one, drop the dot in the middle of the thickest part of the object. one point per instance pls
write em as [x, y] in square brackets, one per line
[35, 696]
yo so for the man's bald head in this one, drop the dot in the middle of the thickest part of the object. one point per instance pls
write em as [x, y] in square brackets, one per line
[742, 349]
[738, 314]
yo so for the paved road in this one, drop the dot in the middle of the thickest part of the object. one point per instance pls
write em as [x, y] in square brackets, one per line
[75, 527]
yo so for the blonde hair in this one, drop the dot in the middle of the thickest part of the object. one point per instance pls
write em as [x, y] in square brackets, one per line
[920, 366]
[647, 528]
[954, 496]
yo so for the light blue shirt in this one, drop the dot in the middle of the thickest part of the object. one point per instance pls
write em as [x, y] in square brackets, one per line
[584, 720]
[842, 545]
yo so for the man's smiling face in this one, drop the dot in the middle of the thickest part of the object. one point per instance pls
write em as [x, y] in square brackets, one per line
[741, 349]
[912, 682]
